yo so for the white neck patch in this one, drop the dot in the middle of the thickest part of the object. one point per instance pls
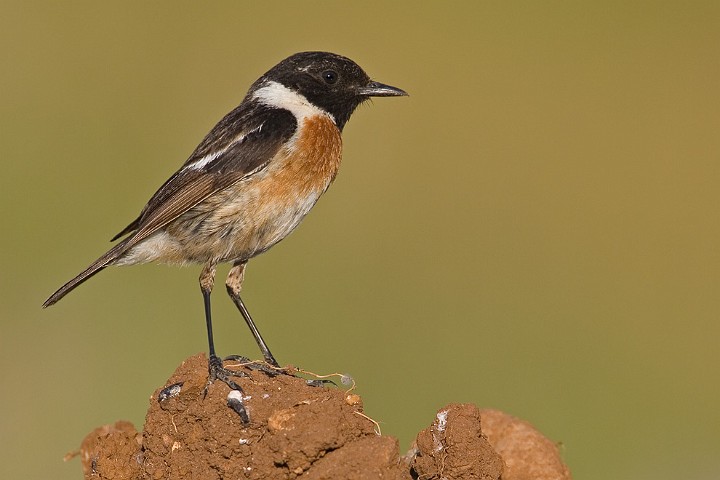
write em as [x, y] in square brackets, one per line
[277, 95]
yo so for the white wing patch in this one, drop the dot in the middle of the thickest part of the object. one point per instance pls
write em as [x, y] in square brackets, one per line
[198, 164]
[202, 162]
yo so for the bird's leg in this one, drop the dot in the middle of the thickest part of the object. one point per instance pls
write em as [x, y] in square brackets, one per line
[207, 280]
[234, 285]
[216, 371]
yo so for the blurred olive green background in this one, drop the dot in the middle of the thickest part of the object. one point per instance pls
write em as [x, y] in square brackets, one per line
[534, 229]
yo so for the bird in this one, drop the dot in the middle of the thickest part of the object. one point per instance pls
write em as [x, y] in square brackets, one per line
[249, 182]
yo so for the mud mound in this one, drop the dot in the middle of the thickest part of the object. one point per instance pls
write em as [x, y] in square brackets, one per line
[296, 430]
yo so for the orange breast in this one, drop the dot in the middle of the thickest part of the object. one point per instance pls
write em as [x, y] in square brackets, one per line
[312, 161]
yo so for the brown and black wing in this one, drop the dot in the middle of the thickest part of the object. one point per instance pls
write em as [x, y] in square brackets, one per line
[240, 145]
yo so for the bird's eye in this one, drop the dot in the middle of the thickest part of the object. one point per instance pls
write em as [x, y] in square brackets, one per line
[330, 76]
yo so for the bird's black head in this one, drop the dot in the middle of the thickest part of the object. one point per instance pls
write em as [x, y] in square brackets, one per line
[328, 81]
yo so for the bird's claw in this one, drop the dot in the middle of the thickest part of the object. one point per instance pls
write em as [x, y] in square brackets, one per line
[216, 371]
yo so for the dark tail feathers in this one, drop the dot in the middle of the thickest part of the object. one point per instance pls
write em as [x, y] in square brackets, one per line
[96, 266]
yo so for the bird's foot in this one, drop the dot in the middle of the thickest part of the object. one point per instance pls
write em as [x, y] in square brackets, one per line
[272, 369]
[216, 371]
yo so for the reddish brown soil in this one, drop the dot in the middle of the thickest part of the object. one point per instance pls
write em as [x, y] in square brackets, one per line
[296, 430]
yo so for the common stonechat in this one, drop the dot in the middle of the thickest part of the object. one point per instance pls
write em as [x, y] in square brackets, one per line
[250, 181]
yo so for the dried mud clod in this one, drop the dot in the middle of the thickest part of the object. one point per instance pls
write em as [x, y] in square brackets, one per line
[295, 430]
[103, 447]
[454, 447]
[526, 452]
[465, 442]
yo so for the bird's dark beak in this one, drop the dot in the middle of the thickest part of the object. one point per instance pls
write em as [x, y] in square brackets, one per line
[377, 89]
